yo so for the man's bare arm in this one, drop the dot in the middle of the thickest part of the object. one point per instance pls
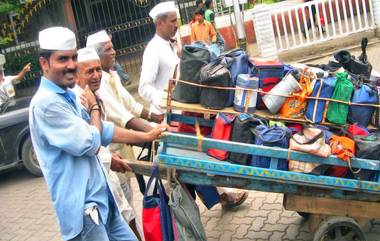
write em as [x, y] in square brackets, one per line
[126, 136]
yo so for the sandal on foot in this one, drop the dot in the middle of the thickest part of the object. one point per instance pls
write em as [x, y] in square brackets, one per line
[237, 200]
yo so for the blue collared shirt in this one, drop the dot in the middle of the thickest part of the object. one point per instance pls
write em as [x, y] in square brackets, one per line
[66, 147]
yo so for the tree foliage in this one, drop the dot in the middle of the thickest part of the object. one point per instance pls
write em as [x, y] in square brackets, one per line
[7, 6]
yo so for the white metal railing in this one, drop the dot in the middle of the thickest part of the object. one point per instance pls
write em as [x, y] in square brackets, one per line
[295, 26]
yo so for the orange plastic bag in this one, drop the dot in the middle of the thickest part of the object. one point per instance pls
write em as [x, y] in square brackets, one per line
[344, 148]
[294, 106]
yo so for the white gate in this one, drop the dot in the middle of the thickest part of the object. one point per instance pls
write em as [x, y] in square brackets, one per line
[308, 23]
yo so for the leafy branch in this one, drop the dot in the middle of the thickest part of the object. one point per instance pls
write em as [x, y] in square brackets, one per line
[7, 6]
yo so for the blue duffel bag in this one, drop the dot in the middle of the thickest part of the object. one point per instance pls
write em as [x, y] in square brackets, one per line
[237, 62]
[323, 88]
[362, 114]
[270, 73]
[270, 136]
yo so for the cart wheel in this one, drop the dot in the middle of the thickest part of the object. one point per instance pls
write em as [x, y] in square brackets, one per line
[339, 228]
[304, 215]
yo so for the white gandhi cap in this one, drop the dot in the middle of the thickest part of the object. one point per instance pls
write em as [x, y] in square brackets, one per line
[57, 38]
[162, 8]
[98, 37]
[87, 54]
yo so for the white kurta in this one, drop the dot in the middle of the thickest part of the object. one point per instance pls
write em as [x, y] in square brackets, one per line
[6, 86]
[158, 66]
[105, 157]
[120, 106]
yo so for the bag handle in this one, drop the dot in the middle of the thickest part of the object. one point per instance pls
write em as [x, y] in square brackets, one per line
[221, 59]
[312, 140]
[158, 183]
[232, 53]
[216, 68]
[150, 181]
[305, 78]
[253, 118]
[363, 56]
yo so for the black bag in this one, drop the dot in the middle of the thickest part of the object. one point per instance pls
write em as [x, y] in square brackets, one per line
[215, 73]
[359, 66]
[241, 132]
[344, 59]
[193, 58]
[376, 115]
[367, 147]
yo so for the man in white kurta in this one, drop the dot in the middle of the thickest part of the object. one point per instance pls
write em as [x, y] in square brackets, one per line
[160, 56]
[89, 74]
[158, 66]
[6, 82]
[120, 106]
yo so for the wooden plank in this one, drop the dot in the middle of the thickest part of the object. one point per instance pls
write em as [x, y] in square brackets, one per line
[328, 206]
[265, 114]
[146, 168]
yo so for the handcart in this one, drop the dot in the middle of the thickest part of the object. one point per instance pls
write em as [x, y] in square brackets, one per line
[336, 208]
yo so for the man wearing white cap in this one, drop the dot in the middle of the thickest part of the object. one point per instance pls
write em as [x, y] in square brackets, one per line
[160, 56]
[89, 75]
[66, 139]
[120, 107]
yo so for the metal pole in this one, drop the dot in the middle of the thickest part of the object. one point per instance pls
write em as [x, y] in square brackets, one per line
[239, 25]
[10, 16]
[376, 15]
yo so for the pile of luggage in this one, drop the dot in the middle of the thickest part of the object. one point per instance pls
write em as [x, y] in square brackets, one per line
[342, 93]
[345, 143]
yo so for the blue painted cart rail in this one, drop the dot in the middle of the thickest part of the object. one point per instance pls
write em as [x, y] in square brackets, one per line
[180, 151]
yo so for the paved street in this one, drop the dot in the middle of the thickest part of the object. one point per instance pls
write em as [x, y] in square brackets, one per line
[26, 212]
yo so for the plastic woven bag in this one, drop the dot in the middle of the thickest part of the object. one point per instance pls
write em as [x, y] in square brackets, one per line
[338, 112]
[295, 106]
[186, 214]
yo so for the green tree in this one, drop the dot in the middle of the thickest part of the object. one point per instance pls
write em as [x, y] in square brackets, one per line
[7, 6]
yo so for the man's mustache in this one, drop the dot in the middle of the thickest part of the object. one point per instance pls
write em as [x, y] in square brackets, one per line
[70, 71]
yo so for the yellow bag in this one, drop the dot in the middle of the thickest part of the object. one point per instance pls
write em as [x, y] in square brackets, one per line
[294, 106]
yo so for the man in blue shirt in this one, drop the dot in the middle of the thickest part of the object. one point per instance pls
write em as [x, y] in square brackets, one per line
[66, 140]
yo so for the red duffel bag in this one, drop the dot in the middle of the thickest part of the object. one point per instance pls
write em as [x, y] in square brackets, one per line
[221, 131]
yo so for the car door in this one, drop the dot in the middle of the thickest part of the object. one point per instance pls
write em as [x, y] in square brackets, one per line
[13, 120]
[2, 151]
